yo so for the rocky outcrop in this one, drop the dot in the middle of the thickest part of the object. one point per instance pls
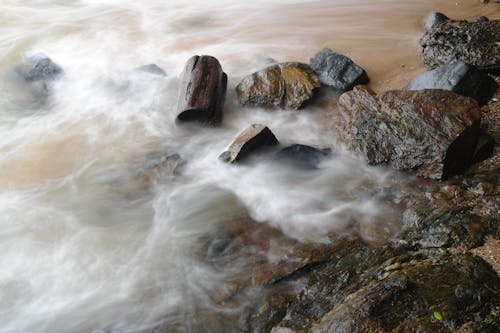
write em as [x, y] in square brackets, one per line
[433, 131]
[474, 43]
[286, 85]
[337, 71]
[303, 156]
[202, 91]
[247, 142]
[460, 78]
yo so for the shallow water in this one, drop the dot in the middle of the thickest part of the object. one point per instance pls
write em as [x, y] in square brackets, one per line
[88, 248]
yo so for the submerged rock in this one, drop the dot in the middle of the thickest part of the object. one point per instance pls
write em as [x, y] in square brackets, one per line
[247, 142]
[286, 85]
[29, 84]
[151, 69]
[475, 43]
[303, 156]
[39, 68]
[337, 71]
[435, 18]
[433, 131]
[458, 77]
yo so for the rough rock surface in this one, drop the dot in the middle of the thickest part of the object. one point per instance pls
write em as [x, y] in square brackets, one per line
[39, 68]
[303, 156]
[251, 139]
[286, 85]
[435, 18]
[202, 91]
[434, 131]
[474, 43]
[458, 77]
[337, 71]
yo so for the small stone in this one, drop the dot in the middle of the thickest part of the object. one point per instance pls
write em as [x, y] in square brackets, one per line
[337, 71]
[247, 142]
[303, 156]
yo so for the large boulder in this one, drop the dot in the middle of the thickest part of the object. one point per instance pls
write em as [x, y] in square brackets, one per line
[458, 77]
[474, 43]
[433, 131]
[286, 85]
[251, 139]
[337, 71]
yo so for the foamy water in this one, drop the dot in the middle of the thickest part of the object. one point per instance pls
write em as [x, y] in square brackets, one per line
[85, 248]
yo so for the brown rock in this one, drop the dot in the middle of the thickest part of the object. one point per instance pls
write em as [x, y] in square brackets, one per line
[286, 85]
[433, 131]
[202, 92]
[252, 138]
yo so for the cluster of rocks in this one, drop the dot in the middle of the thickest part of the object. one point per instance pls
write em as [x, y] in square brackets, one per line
[425, 279]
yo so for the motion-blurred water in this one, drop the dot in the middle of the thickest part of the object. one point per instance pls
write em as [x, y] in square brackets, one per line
[85, 246]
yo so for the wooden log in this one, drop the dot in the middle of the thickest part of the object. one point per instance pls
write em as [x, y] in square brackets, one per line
[202, 91]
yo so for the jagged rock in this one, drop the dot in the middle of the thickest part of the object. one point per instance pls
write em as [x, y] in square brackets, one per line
[436, 293]
[202, 91]
[433, 131]
[435, 18]
[251, 139]
[458, 77]
[474, 43]
[286, 85]
[303, 156]
[151, 69]
[39, 68]
[337, 71]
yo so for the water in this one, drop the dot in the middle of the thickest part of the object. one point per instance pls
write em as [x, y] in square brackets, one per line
[86, 247]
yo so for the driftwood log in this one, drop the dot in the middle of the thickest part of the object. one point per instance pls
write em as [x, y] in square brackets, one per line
[202, 92]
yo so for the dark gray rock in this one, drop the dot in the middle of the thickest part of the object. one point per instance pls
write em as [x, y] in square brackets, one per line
[484, 148]
[39, 68]
[247, 142]
[433, 131]
[474, 43]
[151, 69]
[460, 78]
[337, 71]
[286, 85]
[435, 18]
[303, 156]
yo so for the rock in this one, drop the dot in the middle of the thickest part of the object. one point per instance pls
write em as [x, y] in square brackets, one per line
[303, 156]
[433, 131]
[39, 68]
[337, 71]
[436, 293]
[474, 43]
[435, 18]
[251, 139]
[286, 85]
[458, 77]
[151, 69]
[202, 91]
[484, 148]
